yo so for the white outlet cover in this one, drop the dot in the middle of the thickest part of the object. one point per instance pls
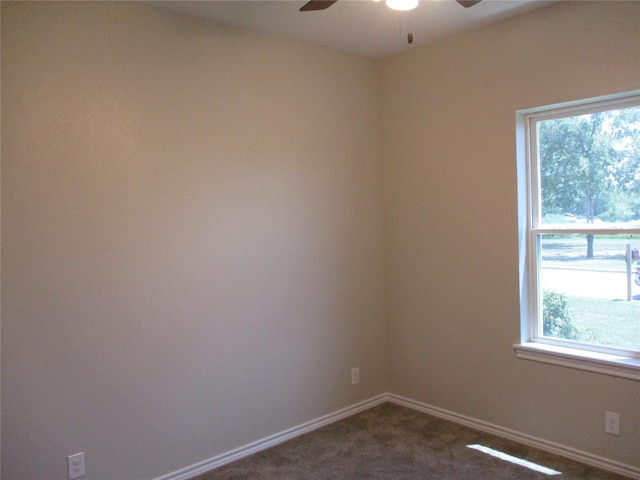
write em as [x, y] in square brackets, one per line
[612, 423]
[75, 463]
[355, 376]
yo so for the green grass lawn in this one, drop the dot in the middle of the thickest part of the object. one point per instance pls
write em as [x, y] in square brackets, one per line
[606, 322]
[570, 251]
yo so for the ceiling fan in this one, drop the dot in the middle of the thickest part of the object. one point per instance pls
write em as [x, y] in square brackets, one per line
[324, 4]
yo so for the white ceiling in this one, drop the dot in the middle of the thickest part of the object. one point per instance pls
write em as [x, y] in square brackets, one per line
[363, 27]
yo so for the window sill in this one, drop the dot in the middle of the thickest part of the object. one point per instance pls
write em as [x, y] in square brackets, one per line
[580, 359]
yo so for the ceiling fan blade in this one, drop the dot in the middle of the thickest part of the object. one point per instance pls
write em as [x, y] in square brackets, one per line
[317, 5]
[468, 3]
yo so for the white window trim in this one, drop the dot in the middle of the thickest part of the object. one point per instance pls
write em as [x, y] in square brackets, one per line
[604, 363]
[542, 350]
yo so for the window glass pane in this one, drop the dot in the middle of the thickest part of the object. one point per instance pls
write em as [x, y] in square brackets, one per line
[591, 289]
[589, 168]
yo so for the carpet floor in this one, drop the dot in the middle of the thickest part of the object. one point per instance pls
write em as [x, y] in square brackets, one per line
[391, 442]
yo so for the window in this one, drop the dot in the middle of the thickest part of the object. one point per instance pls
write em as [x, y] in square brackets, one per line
[579, 226]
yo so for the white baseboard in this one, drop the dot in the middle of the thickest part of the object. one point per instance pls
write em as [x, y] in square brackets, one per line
[555, 448]
[192, 471]
[272, 440]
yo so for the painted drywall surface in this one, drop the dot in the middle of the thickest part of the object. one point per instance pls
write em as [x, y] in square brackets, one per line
[192, 238]
[450, 173]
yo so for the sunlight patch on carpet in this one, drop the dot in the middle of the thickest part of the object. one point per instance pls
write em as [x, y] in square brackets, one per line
[516, 460]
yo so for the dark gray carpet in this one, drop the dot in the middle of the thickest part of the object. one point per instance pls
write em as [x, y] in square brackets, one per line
[390, 442]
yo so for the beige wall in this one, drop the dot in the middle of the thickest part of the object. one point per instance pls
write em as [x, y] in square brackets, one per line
[192, 238]
[192, 248]
[450, 179]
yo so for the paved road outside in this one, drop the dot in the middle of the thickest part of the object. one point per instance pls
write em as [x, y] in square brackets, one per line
[589, 283]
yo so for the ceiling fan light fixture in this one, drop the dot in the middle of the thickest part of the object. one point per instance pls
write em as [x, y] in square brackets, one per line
[402, 4]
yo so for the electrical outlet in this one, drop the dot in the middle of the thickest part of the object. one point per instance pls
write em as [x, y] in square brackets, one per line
[355, 376]
[76, 465]
[612, 423]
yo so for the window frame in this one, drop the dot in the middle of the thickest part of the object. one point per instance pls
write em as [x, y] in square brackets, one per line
[611, 361]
